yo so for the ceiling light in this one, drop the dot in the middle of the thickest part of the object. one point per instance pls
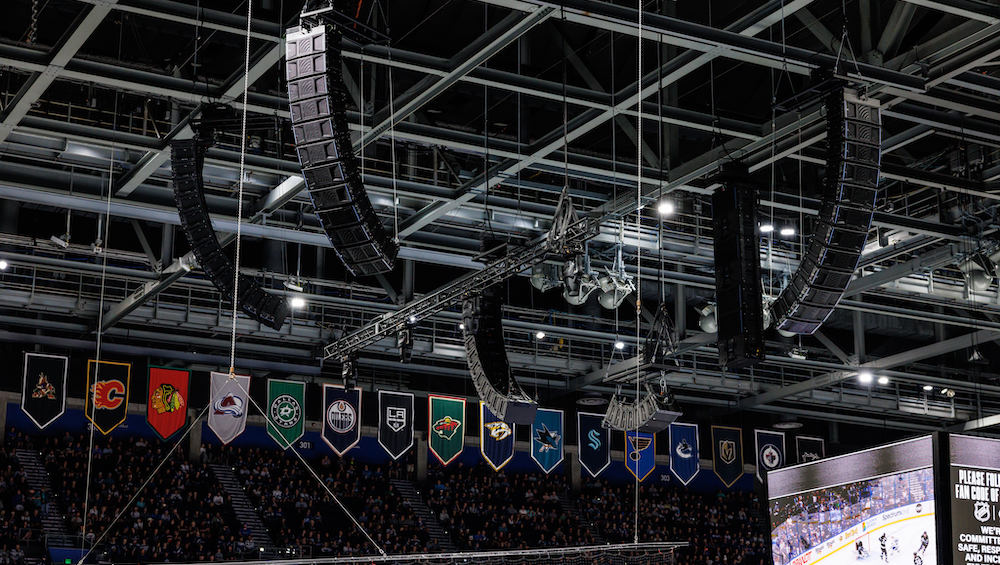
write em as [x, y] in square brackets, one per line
[787, 232]
[413, 319]
[298, 302]
[60, 241]
[619, 344]
[666, 208]
[883, 380]
[865, 377]
[950, 393]
[928, 388]
[539, 334]
[766, 228]
[461, 326]
[3, 265]
[293, 285]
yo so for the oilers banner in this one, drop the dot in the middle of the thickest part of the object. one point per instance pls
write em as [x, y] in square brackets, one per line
[810, 448]
[770, 451]
[446, 427]
[593, 443]
[547, 439]
[640, 454]
[167, 401]
[496, 438]
[43, 392]
[285, 411]
[685, 458]
[727, 454]
[395, 422]
[229, 402]
[341, 417]
[106, 404]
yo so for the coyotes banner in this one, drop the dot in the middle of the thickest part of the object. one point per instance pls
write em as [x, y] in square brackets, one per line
[547, 439]
[446, 427]
[341, 417]
[167, 401]
[640, 454]
[496, 438]
[727, 454]
[106, 404]
[43, 392]
[285, 407]
[395, 422]
[810, 448]
[684, 452]
[227, 414]
[593, 443]
[770, 451]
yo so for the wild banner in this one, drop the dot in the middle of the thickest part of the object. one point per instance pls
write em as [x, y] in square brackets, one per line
[229, 402]
[167, 400]
[395, 422]
[684, 451]
[285, 407]
[106, 403]
[496, 438]
[341, 417]
[727, 454]
[593, 443]
[446, 427]
[43, 392]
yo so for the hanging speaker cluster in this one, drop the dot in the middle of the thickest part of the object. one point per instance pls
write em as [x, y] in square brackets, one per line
[317, 100]
[652, 413]
[187, 158]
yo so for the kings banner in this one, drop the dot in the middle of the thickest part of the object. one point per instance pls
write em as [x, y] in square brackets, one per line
[547, 439]
[770, 451]
[43, 392]
[227, 413]
[684, 451]
[285, 411]
[727, 454]
[395, 422]
[446, 427]
[594, 443]
[640, 454]
[106, 404]
[341, 417]
[167, 403]
[496, 438]
[809, 448]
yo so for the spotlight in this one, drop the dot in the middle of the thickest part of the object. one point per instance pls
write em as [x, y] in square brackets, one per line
[787, 232]
[60, 241]
[865, 377]
[707, 322]
[298, 302]
[539, 334]
[950, 393]
[766, 228]
[797, 353]
[461, 326]
[883, 380]
[413, 319]
[975, 275]
[666, 208]
[928, 388]
[3, 265]
[786, 333]
[543, 278]
[619, 344]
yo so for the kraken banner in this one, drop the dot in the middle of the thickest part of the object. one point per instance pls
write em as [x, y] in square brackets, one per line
[684, 452]
[770, 451]
[227, 413]
[395, 422]
[496, 438]
[106, 404]
[285, 406]
[593, 443]
[341, 417]
[167, 403]
[43, 395]
[640, 454]
[727, 454]
[446, 423]
[547, 439]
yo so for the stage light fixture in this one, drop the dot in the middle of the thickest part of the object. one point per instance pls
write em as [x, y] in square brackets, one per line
[294, 285]
[950, 393]
[766, 228]
[883, 380]
[539, 335]
[62, 241]
[797, 353]
[616, 283]
[786, 333]
[975, 274]
[707, 321]
[666, 208]
[297, 302]
[787, 232]
[3, 265]
[865, 377]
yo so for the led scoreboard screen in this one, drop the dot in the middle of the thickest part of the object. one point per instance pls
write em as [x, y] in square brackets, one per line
[974, 478]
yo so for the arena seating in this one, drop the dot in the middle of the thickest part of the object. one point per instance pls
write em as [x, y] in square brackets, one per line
[21, 508]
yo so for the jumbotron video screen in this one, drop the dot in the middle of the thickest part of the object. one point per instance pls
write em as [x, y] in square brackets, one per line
[873, 506]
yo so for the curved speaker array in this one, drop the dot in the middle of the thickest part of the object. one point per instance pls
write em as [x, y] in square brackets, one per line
[652, 413]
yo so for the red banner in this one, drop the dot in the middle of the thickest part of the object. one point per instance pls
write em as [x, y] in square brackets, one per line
[166, 407]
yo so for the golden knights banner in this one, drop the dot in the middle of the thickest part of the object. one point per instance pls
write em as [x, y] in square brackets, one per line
[341, 417]
[285, 411]
[496, 438]
[106, 403]
[167, 403]
[727, 454]
[446, 427]
[227, 413]
[395, 422]
[43, 392]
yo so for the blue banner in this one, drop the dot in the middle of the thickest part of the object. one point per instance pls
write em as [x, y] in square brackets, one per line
[547, 439]
[640, 454]
[341, 417]
[770, 451]
[496, 438]
[593, 443]
[684, 453]
[727, 454]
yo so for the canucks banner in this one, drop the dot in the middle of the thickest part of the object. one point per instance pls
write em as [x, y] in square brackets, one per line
[770, 451]
[341, 417]
[446, 427]
[810, 448]
[395, 422]
[285, 406]
[227, 411]
[684, 453]
[593, 443]
[106, 404]
[167, 401]
[727, 454]
[496, 438]
[43, 392]
[640, 454]
[547, 439]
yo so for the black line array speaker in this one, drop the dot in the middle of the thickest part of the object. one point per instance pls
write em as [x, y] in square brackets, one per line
[850, 190]
[187, 158]
[317, 98]
[739, 307]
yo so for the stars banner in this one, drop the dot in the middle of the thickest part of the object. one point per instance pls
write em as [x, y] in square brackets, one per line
[285, 411]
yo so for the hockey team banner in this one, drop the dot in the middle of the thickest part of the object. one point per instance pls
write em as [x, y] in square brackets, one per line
[496, 438]
[547, 439]
[43, 392]
[395, 422]
[770, 447]
[593, 443]
[446, 427]
[341, 417]
[810, 448]
[106, 404]
[727, 454]
[227, 413]
[640, 454]
[167, 401]
[285, 411]
[685, 459]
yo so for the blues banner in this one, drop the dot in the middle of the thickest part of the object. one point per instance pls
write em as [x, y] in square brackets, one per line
[496, 438]
[684, 453]
[810, 448]
[230, 400]
[547, 439]
[446, 423]
[770, 447]
[593, 443]
[341, 417]
[167, 402]
[640, 454]
[395, 422]
[106, 404]
[43, 392]
[286, 420]
[727, 454]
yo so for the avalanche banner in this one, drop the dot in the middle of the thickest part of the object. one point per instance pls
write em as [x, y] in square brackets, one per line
[684, 452]
[593, 443]
[547, 439]
[285, 407]
[770, 451]
[106, 404]
[640, 454]
[43, 392]
[227, 414]
[341, 417]
[810, 448]
[167, 400]
[445, 423]
[496, 438]
[727, 454]
[395, 422]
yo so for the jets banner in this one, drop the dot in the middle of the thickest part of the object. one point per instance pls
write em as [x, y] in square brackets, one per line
[640, 454]
[227, 413]
[810, 448]
[106, 404]
[341, 417]
[446, 427]
[547, 439]
[496, 438]
[684, 452]
[395, 422]
[593, 443]
[285, 411]
[43, 392]
[167, 403]
[727, 454]
[770, 451]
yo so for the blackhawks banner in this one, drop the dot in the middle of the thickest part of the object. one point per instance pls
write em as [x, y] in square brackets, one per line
[446, 427]
[227, 413]
[395, 422]
[341, 417]
[285, 402]
[727, 454]
[43, 392]
[167, 401]
[593, 443]
[684, 455]
[810, 448]
[640, 454]
[770, 451]
[496, 438]
[546, 439]
[106, 404]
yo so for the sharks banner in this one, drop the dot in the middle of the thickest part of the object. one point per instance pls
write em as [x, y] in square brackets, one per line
[684, 452]
[167, 401]
[810, 448]
[43, 392]
[229, 403]
[496, 438]
[547, 439]
[106, 404]
[395, 422]
[446, 427]
[640, 454]
[593, 443]
[286, 420]
[770, 447]
[727, 454]
[341, 417]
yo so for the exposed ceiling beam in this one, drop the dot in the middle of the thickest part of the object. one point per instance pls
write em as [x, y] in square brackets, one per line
[979, 11]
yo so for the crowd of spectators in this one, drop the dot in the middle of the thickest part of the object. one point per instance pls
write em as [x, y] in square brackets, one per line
[21, 509]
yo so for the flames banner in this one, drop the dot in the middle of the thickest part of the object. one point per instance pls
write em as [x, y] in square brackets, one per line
[167, 403]
[106, 403]
[43, 392]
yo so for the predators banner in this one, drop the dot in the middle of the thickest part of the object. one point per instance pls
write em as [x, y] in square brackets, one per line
[285, 419]
[446, 423]
[496, 438]
[43, 392]
[166, 406]
[106, 404]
